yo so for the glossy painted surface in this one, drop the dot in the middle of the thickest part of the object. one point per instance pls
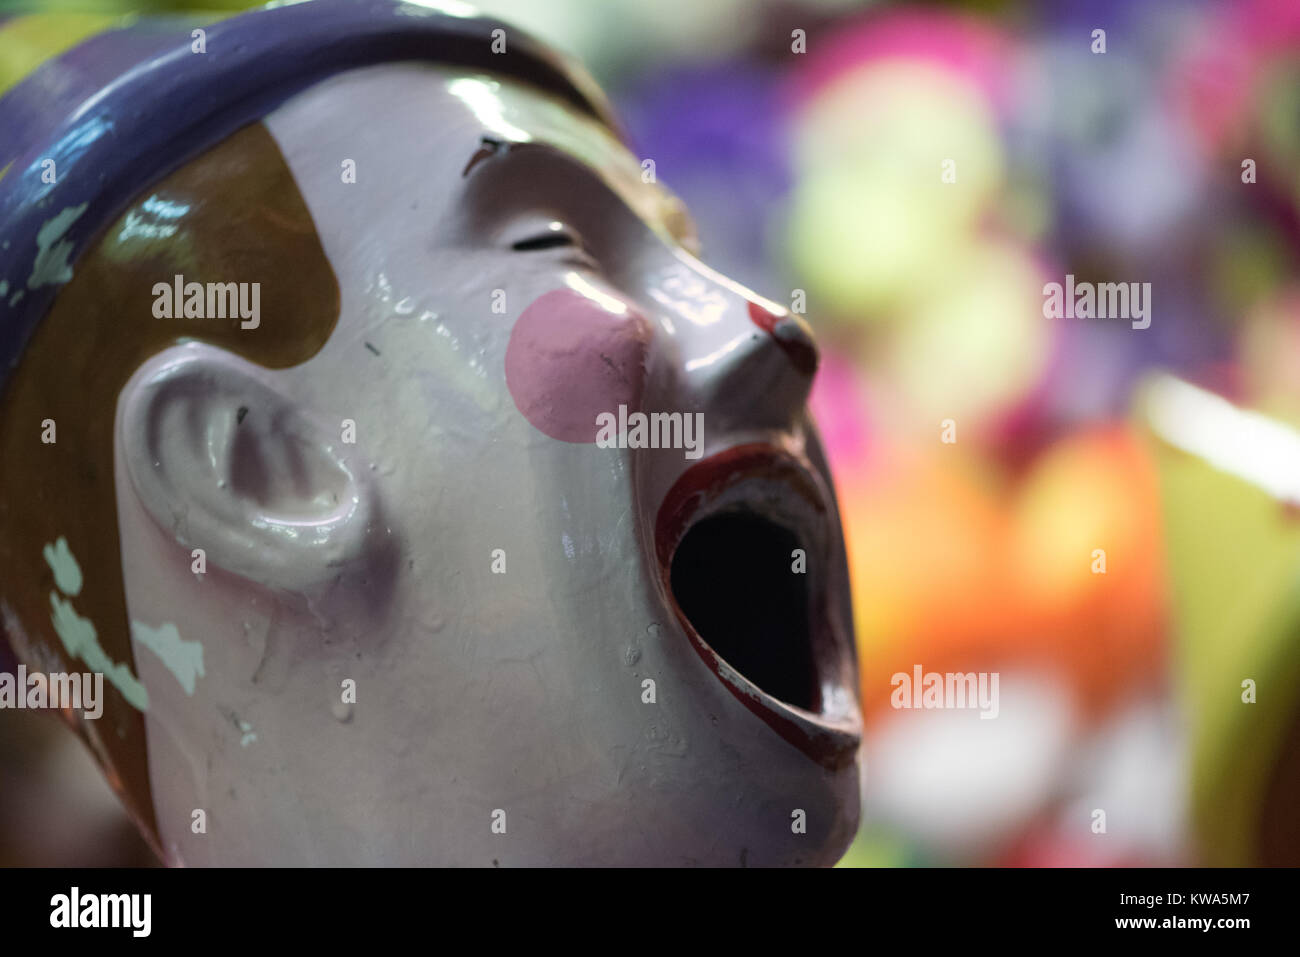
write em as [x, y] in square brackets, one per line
[415, 508]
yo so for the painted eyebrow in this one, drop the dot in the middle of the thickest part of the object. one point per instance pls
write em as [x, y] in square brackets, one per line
[488, 147]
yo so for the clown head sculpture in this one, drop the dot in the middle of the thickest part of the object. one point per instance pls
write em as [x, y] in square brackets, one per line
[368, 423]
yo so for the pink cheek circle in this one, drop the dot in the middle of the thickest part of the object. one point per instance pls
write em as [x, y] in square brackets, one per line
[571, 358]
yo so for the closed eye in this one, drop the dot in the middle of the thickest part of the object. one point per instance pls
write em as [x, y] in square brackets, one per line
[550, 240]
[537, 236]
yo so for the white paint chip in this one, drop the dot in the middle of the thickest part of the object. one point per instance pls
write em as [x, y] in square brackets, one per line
[67, 573]
[183, 658]
[81, 640]
[52, 249]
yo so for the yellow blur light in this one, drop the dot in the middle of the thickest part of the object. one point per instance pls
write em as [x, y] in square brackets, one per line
[1243, 443]
[897, 160]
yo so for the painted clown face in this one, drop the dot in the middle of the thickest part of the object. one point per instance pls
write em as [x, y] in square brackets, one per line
[532, 559]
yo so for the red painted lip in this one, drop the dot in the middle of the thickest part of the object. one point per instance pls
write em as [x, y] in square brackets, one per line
[832, 735]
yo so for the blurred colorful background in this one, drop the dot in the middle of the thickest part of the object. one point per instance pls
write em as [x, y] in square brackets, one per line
[1106, 517]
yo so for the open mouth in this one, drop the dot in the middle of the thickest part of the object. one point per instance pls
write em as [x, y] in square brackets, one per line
[749, 548]
[733, 578]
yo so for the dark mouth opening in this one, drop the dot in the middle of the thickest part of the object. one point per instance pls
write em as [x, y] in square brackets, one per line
[733, 577]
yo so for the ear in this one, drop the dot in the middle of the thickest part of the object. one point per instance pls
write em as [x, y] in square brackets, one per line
[223, 461]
